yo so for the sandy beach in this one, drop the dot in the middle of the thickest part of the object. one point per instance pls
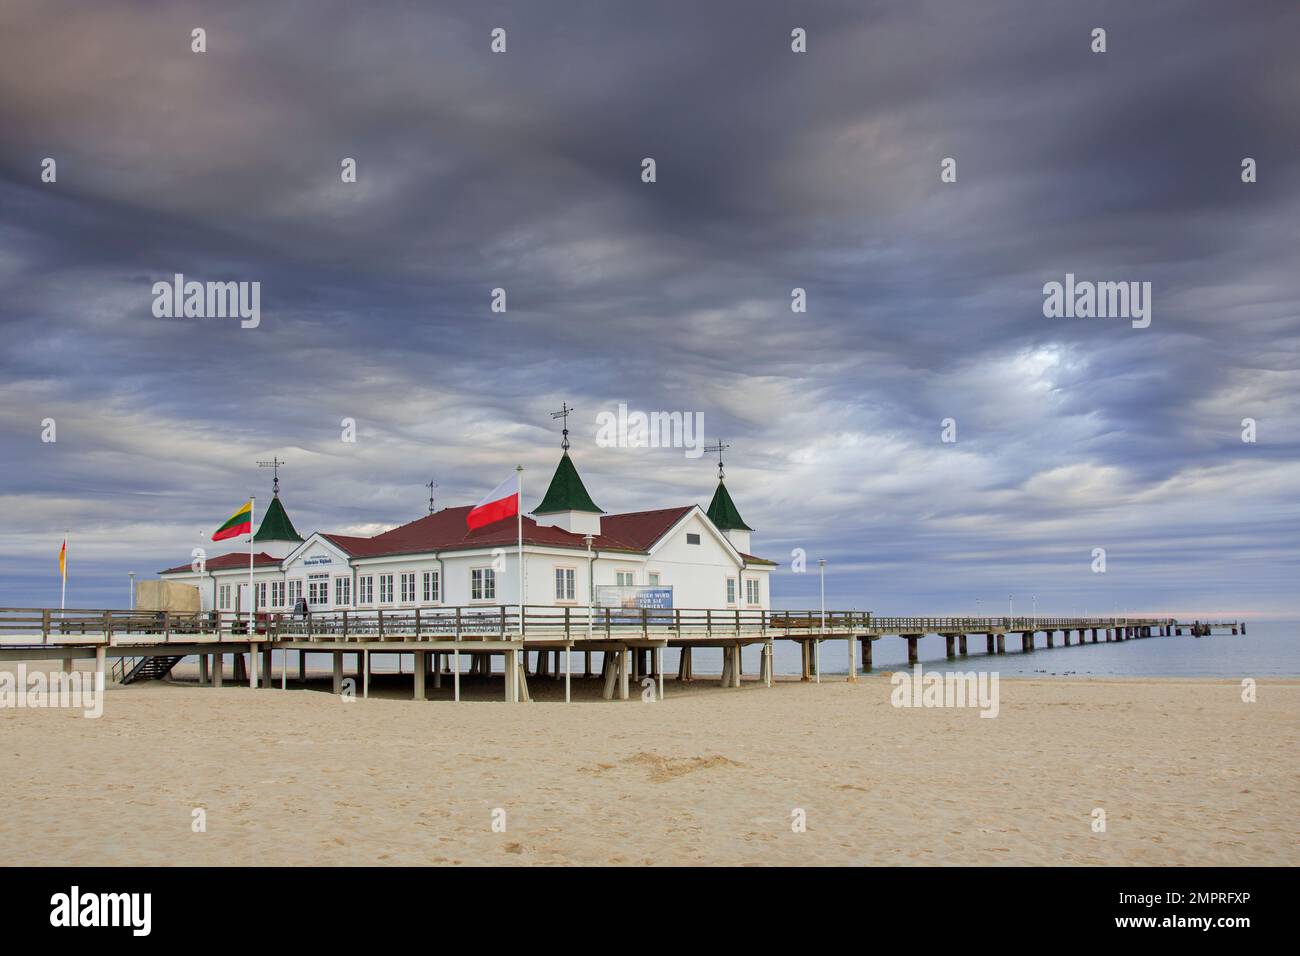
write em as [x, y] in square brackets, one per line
[1185, 771]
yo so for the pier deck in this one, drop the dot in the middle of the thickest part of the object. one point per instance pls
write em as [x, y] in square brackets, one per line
[631, 641]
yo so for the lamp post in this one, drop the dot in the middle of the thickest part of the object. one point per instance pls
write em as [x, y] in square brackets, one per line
[131, 605]
[817, 649]
[978, 612]
[591, 584]
[1034, 599]
[1010, 607]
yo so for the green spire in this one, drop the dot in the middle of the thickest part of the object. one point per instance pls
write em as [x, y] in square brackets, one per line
[276, 526]
[566, 492]
[722, 511]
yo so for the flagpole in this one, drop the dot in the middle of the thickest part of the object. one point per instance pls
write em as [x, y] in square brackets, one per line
[519, 524]
[252, 595]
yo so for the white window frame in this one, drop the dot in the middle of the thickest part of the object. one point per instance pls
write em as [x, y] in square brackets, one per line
[366, 589]
[652, 579]
[407, 584]
[223, 597]
[432, 587]
[386, 588]
[566, 584]
[486, 587]
[277, 594]
[342, 591]
[618, 578]
[751, 584]
[733, 586]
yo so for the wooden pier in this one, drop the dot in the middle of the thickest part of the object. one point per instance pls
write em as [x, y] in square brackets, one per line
[631, 642]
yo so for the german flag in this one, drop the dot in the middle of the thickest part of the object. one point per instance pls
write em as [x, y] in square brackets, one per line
[241, 522]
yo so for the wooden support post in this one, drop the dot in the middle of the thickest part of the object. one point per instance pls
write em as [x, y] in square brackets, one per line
[302, 667]
[365, 672]
[238, 669]
[218, 666]
[267, 680]
[911, 647]
[338, 671]
[949, 643]
[853, 658]
[586, 663]
[865, 644]
[1002, 643]
[1066, 632]
[725, 678]
[961, 644]
[610, 668]
[418, 670]
[1094, 635]
[204, 677]
[101, 657]
[1050, 642]
[988, 640]
[1026, 641]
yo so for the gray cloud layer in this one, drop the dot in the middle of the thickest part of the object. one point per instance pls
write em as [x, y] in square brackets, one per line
[775, 170]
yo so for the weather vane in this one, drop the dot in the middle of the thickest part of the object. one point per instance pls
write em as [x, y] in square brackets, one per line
[431, 485]
[274, 464]
[563, 414]
[719, 447]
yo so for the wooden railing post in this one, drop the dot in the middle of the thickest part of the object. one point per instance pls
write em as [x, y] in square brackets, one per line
[607, 623]
[167, 626]
[458, 622]
[501, 630]
[45, 627]
[708, 621]
[417, 623]
[381, 623]
[566, 623]
[108, 627]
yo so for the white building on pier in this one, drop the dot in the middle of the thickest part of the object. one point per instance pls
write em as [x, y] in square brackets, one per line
[688, 556]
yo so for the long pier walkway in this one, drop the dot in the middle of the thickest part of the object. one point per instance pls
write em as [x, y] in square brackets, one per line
[147, 644]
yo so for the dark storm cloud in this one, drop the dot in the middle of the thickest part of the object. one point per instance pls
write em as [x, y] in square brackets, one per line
[775, 170]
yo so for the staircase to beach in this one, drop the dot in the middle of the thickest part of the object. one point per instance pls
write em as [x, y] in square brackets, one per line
[131, 669]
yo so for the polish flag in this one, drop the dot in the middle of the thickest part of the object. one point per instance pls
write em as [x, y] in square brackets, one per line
[501, 502]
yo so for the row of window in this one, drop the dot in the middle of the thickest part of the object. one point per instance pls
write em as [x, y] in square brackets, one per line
[482, 587]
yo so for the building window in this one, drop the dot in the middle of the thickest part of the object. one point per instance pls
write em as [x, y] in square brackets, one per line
[564, 584]
[692, 538]
[261, 594]
[482, 584]
[385, 589]
[432, 587]
[295, 592]
[751, 591]
[277, 594]
[342, 591]
[318, 591]
[366, 589]
[625, 579]
[408, 587]
[223, 599]
[654, 579]
[731, 590]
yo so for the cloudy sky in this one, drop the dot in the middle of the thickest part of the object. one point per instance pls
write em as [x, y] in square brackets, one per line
[775, 170]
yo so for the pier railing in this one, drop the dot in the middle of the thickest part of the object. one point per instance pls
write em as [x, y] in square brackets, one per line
[484, 622]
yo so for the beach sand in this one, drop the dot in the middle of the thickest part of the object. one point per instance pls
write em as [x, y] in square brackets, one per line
[1185, 771]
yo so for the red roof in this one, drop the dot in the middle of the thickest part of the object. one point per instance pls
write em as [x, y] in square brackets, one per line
[446, 530]
[235, 559]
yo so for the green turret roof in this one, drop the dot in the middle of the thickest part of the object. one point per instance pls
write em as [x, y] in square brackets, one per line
[566, 492]
[276, 526]
[722, 511]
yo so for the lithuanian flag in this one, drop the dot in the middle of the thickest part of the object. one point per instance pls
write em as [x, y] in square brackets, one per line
[241, 522]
